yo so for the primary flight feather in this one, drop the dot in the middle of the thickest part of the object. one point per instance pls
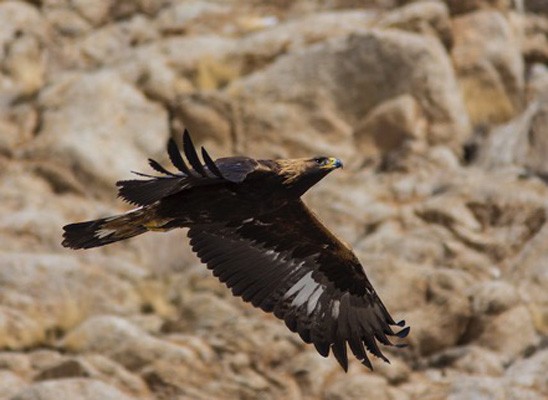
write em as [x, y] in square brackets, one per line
[248, 224]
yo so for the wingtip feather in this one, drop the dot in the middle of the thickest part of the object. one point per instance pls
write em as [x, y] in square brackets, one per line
[176, 159]
[191, 155]
[340, 352]
[211, 164]
[403, 333]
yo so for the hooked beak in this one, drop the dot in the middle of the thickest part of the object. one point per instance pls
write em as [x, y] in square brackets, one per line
[334, 163]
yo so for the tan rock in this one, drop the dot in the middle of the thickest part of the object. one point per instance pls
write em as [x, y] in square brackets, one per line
[430, 17]
[312, 372]
[209, 119]
[44, 358]
[354, 386]
[23, 34]
[159, 81]
[480, 361]
[520, 142]
[66, 21]
[489, 66]
[261, 48]
[396, 372]
[528, 270]
[114, 43]
[183, 16]
[10, 384]
[468, 359]
[499, 333]
[391, 126]
[106, 370]
[205, 311]
[65, 369]
[469, 387]
[27, 225]
[530, 372]
[537, 84]
[18, 330]
[486, 222]
[534, 41]
[466, 6]
[96, 13]
[493, 297]
[125, 343]
[85, 114]
[16, 362]
[77, 389]
[316, 94]
[442, 320]
[536, 6]
[458, 251]
[124, 8]
[92, 366]
[184, 53]
[45, 294]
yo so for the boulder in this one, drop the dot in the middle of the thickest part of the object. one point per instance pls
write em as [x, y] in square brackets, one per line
[528, 270]
[536, 6]
[391, 126]
[23, 34]
[471, 359]
[521, 142]
[493, 297]
[467, 6]
[93, 366]
[534, 31]
[470, 387]
[499, 333]
[10, 384]
[451, 231]
[430, 17]
[530, 372]
[354, 386]
[44, 295]
[489, 66]
[114, 43]
[85, 115]
[324, 91]
[125, 343]
[76, 389]
[442, 319]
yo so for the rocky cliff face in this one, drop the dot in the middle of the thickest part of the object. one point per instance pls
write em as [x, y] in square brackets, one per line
[439, 110]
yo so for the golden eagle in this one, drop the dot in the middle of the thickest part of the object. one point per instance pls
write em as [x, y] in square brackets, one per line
[248, 224]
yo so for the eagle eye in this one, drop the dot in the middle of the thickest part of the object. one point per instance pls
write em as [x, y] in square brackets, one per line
[321, 161]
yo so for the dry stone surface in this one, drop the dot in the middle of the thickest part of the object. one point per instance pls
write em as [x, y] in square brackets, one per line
[439, 110]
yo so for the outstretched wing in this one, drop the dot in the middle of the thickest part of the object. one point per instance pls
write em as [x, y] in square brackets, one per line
[142, 192]
[288, 263]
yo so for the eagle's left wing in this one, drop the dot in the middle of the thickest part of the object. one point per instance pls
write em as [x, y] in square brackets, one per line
[288, 263]
[192, 173]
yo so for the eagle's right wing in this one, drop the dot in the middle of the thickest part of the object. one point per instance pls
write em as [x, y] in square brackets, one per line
[288, 263]
[142, 192]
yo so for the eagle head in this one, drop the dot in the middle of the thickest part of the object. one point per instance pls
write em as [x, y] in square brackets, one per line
[301, 174]
[326, 163]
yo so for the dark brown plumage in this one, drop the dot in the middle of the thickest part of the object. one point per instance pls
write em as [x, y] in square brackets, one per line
[248, 225]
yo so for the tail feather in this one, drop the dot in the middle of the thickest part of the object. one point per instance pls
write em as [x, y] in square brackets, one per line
[99, 232]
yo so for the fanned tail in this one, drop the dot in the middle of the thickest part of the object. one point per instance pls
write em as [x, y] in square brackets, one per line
[99, 232]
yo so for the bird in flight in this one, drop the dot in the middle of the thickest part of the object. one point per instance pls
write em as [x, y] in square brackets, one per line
[246, 221]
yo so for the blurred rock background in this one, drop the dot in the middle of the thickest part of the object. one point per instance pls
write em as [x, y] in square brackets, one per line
[439, 110]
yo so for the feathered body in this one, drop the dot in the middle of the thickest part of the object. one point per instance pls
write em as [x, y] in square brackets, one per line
[249, 226]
